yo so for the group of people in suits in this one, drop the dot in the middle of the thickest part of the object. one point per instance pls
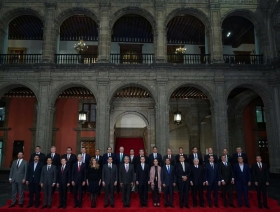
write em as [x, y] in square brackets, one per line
[124, 173]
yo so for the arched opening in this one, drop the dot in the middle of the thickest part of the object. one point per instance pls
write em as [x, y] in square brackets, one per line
[186, 40]
[240, 41]
[132, 119]
[132, 40]
[69, 130]
[247, 123]
[195, 128]
[18, 115]
[23, 41]
[77, 41]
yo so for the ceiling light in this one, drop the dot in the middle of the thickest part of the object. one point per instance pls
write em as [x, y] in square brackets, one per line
[228, 34]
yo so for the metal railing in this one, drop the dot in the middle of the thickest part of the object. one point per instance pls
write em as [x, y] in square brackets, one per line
[189, 58]
[243, 59]
[20, 58]
[75, 58]
[132, 58]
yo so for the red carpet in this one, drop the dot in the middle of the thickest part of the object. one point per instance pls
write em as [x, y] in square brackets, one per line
[129, 143]
[274, 207]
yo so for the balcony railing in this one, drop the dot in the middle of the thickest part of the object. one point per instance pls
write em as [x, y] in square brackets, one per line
[243, 59]
[189, 58]
[132, 58]
[75, 58]
[20, 58]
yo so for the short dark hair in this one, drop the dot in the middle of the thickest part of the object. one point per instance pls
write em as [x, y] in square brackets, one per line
[142, 157]
[154, 147]
[131, 149]
[141, 149]
[62, 159]
[109, 148]
[97, 150]
[69, 148]
[38, 147]
[49, 158]
[180, 147]
[109, 158]
[21, 152]
[194, 147]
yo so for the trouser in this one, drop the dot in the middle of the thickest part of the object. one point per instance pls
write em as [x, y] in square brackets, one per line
[78, 194]
[242, 189]
[156, 194]
[261, 191]
[17, 187]
[143, 193]
[34, 188]
[168, 191]
[227, 191]
[126, 193]
[134, 179]
[197, 189]
[109, 191]
[184, 193]
[63, 194]
[210, 188]
[47, 194]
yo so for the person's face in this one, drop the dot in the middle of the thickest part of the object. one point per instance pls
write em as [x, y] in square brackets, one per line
[167, 161]
[195, 162]
[36, 158]
[259, 159]
[53, 150]
[182, 159]
[194, 150]
[131, 152]
[97, 152]
[93, 162]
[109, 150]
[20, 155]
[238, 150]
[126, 160]
[154, 150]
[180, 151]
[169, 151]
[141, 152]
[155, 162]
[37, 150]
[211, 159]
[69, 151]
[121, 150]
[110, 160]
[225, 152]
[240, 159]
[224, 158]
[142, 160]
[80, 158]
[49, 161]
[83, 150]
[210, 151]
[63, 161]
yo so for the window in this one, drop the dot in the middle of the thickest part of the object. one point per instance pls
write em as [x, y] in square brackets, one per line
[260, 114]
[2, 113]
[90, 109]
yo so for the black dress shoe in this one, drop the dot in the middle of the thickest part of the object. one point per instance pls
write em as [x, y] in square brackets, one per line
[49, 207]
[172, 206]
[112, 205]
[210, 206]
[202, 206]
[60, 206]
[165, 205]
[247, 206]
[216, 205]
[232, 205]
[36, 206]
[181, 206]
[266, 207]
[21, 205]
[64, 206]
[106, 205]
[11, 206]
[75, 206]
[44, 206]
[186, 206]
[80, 206]
[29, 206]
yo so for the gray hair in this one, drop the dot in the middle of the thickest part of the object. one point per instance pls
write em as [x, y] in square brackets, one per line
[195, 160]
[126, 157]
[79, 155]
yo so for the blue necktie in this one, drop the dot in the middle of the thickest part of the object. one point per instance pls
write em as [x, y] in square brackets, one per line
[168, 169]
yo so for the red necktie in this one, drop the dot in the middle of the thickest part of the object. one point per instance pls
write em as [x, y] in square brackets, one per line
[62, 170]
[79, 167]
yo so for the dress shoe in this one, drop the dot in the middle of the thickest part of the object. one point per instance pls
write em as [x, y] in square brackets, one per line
[75, 206]
[181, 206]
[12, 205]
[247, 206]
[210, 205]
[232, 205]
[29, 206]
[21, 205]
[202, 206]
[172, 206]
[106, 205]
[124, 205]
[36, 206]
[60, 206]
[112, 205]
[186, 206]
[80, 206]
[266, 207]
[49, 207]
[44, 206]
[216, 205]
[165, 205]
[64, 206]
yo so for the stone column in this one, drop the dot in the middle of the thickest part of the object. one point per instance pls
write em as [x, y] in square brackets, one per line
[102, 119]
[257, 45]
[162, 116]
[4, 36]
[49, 43]
[194, 128]
[216, 45]
[207, 34]
[104, 37]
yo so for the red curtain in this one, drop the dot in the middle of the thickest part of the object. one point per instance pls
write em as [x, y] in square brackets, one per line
[129, 143]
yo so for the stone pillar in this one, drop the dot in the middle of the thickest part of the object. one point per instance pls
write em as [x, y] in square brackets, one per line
[58, 43]
[216, 45]
[162, 116]
[207, 34]
[194, 128]
[104, 37]
[102, 119]
[4, 37]
[257, 45]
[49, 46]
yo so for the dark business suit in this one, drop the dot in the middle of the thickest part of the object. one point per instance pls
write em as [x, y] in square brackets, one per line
[151, 159]
[48, 178]
[199, 157]
[63, 178]
[142, 176]
[212, 177]
[235, 158]
[78, 176]
[70, 161]
[137, 161]
[228, 159]
[105, 158]
[261, 176]
[41, 157]
[126, 178]
[242, 178]
[197, 177]
[183, 186]
[55, 159]
[86, 159]
[206, 158]
[177, 158]
[172, 160]
[109, 176]
[119, 161]
[168, 178]
[226, 175]
[33, 179]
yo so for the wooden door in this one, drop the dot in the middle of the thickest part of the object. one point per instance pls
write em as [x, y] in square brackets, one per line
[90, 147]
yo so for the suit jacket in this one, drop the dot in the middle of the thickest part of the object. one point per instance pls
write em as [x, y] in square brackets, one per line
[260, 176]
[41, 157]
[242, 177]
[79, 176]
[105, 158]
[126, 177]
[64, 177]
[172, 160]
[143, 176]
[87, 159]
[100, 160]
[235, 158]
[152, 177]
[119, 161]
[137, 161]
[168, 178]
[151, 159]
[229, 160]
[191, 157]
[48, 177]
[177, 157]
[206, 158]
[180, 172]
[212, 175]
[133, 161]
[55, 160]
[20, 173]
[33, 176]
[226, 172]
[109, 176]
[197, 175]
[72, 159]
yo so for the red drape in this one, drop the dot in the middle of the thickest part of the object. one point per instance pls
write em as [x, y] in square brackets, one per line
[129, 143]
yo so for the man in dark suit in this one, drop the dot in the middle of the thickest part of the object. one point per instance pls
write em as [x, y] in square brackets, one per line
[85, 156]
[109, 154]
[78, 180]
[55, 160]
[33, 181]
[181, 153]
[47, 181]
[142, 180]
[132, 160]
[239, 153]
[170, 156]
[261, 179]
[228, 157]
[227, 180]
[194, 155]
[38, 152]
[99, 159]
[242, 180]
[138, 158]
[183, 172]
[109, 181]
[197, 181]
[168, 180]
[120, 161]
[126, 173]
[63, 182]
[155, 155]
[212, 181]
[210, 153]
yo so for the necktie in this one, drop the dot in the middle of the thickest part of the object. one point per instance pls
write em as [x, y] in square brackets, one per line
[79, 167]
[155, 155]
[225, 164]
[226, 158]
[52, 155]
[121, 157]
[183, 165]
[83, 158]
[168, 169]
[169, 156]
[62, 169]
[195, 155]
[35, 164]
[196, 166]
[97, 158]
[17, 164]
[68, 157]
[212, 165]
[109, 154]
[126, 168]
[260, 166]
[142, 166]
[48, 168]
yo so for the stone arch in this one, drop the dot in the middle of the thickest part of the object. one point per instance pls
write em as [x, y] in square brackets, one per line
[61, 87]
[11, 85]
[144, 118]
[138, 84]
[190, 11]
